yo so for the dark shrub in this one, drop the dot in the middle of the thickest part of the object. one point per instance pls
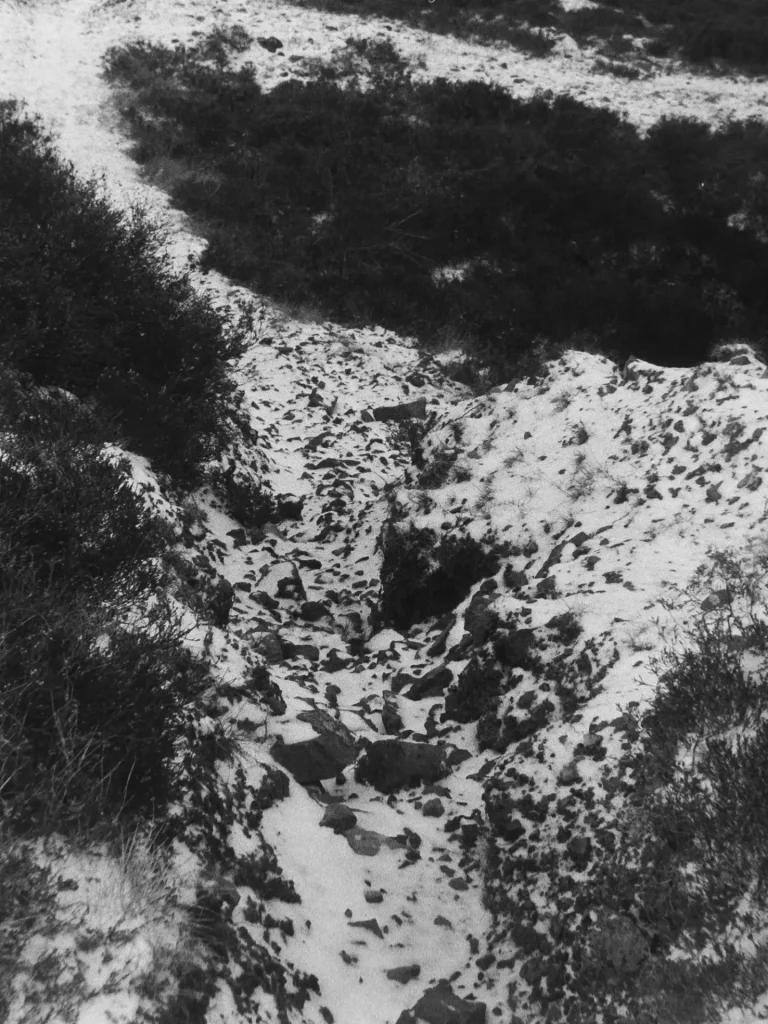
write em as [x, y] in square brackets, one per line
[699, 30]
[422, 577]
[566, 222]
[88, 302]
[74, 514]
[92, 712]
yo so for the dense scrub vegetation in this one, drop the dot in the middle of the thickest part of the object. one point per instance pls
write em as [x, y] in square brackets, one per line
[91, 705]
[89, 303]
[455, 211]
[100, 344]
[688, 871]
[703, 32]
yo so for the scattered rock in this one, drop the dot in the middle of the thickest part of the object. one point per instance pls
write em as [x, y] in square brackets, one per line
[332, 694]
[431, 684]
[566, 46]
[271, 43]
[390, 765]
[480, 619]
[371, 925]
[405, 411]
[334, 662]
[469, 832]
[619, 943]
[238, 536]
[367, 843]
[403, 679]
[440, 1005]
[458, 884]
[513, 648]
[262, 683]
[322, 757]
[580, 849]
[475, 688]
[374, 896]
[515, 579]
[221, 601]
[456, 756]
[546, 587]
[499, 808]
[339, 817]
[308, 651]
[438, 646]
[716, 600]
[433, 808]
[404, 974]
[290, 507]
[569, 774]
[312, 611]
[282, 580]
[269, 647]
[390, 719]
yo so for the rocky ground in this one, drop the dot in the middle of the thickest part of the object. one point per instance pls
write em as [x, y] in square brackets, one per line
[406, 809]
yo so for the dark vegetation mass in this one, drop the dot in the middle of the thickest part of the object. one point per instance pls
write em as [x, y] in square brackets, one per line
[565, 223]
[89, 303]
[708, 34]
[99, 344]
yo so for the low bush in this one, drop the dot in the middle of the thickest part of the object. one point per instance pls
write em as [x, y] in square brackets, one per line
[91, 710]
[699, 31]
[361, 202]
[74, 514]
[96, 684]
[88, 302]
[690, 868]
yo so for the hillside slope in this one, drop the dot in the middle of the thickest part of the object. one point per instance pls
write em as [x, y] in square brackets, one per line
[431, 673]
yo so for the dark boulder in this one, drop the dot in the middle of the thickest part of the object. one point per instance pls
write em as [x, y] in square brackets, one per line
[269, 647]
[271, 43]
[433, 808]
[282, 581]
[339, 817]
[513, 648]
[480, 619]
[312, 611]
[262, 683]
[309, 651]
[322, 757]
[515, 579]
[334, 662]
[391, 720]
[431, 684]
[404, 974]
[220, 602]
[440, 1005]
[389, 765]
[476, 689]
[405, 411]
[439, 645]
[289, 507]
